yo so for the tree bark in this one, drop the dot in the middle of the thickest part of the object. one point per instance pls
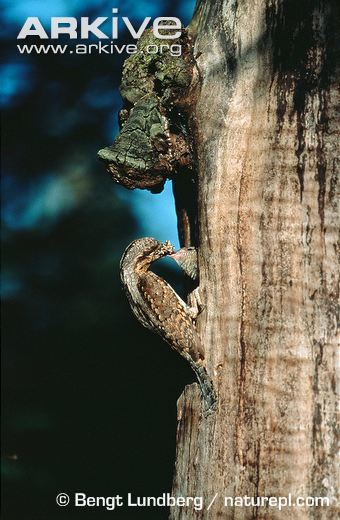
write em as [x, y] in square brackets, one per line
[265, 126]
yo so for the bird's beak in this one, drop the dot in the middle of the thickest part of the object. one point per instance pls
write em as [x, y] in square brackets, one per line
[167, 248]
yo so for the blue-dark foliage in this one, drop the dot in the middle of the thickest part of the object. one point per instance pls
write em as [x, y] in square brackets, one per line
[89, 396]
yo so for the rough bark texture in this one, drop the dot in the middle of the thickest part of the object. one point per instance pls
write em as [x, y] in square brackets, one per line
[265, 126]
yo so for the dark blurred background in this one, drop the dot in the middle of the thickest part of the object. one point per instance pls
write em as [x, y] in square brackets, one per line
[89, 396]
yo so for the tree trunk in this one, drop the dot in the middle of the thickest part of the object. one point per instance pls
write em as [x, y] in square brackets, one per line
[265, 134]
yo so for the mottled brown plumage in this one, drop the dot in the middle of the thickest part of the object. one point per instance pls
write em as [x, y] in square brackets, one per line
[169, 316]
[157, 306]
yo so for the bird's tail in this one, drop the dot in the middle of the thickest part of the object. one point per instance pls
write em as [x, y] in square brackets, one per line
[207, 388]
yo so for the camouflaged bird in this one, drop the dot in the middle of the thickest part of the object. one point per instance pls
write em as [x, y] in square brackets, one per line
[158, 308]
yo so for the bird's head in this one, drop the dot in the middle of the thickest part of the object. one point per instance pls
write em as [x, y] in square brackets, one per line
[143, 251]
